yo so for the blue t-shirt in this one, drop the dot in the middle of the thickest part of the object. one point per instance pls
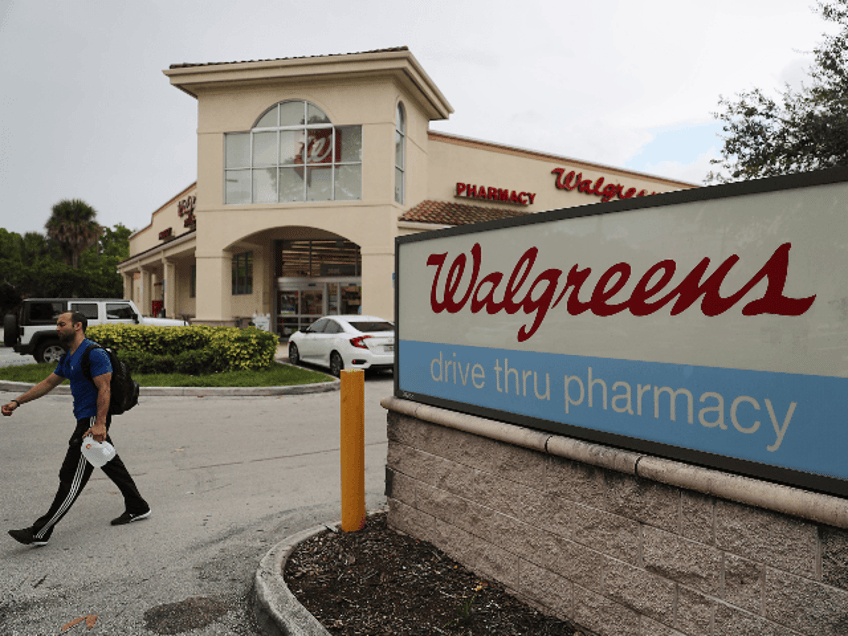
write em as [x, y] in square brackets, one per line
[84, 392]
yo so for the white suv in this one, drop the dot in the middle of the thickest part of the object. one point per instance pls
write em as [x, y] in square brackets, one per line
[32, 330]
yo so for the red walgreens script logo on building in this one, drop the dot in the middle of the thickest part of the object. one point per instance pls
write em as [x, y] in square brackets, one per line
[541, 295]
[572, 181]
[185, 208]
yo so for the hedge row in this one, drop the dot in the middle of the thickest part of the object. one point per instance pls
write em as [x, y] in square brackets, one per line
[193, 350]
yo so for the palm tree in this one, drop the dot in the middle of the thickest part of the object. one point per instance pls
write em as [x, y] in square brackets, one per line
[73, 227]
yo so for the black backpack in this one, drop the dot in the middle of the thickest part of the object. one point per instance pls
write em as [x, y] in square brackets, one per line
[124, 390]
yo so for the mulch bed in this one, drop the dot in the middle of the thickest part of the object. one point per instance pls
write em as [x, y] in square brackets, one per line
[379, 582]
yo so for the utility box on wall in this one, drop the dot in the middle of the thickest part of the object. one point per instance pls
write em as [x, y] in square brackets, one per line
[708, 326]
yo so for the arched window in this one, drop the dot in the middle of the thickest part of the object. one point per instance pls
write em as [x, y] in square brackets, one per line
[400, 152]
[293, 153]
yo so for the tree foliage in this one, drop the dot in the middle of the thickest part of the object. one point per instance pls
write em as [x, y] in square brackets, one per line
[73, 227]
[803, 129]
[33, 265]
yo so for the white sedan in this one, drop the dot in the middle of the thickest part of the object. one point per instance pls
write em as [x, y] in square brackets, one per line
[345, 342]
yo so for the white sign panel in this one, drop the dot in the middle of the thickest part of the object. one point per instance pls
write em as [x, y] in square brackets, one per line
[709, 325]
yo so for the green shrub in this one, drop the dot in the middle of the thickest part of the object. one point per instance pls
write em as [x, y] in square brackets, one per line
[156, 340]
[192, 350]
[138, 361]
[200, 362]
[240, 349]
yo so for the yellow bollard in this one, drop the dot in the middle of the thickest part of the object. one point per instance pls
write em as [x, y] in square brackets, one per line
[353, 449]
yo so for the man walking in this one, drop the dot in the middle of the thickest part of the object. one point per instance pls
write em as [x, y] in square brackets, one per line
[91, 410]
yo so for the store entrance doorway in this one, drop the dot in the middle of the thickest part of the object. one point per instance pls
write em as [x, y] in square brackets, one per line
[316, 277]
[300, 302]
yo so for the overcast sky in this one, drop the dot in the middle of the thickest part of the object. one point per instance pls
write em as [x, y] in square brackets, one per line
[85, 111]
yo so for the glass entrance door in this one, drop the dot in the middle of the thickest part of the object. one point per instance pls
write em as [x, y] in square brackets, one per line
[299, 308]
[301, 301]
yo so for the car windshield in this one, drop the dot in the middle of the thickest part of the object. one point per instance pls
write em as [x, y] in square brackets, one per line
[370, 326]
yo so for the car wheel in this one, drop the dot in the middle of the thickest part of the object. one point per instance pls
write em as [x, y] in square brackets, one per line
[294, 354]
[336, 364]
[50, 351]
[10, 330]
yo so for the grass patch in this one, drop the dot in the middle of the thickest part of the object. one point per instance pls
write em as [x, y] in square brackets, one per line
[277, 375]
[32, 373]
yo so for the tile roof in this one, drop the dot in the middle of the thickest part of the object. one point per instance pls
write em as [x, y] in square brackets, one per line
[450, 213]
[280, 59]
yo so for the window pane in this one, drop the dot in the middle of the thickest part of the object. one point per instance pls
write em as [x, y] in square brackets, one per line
[238, 150]
[291, 114]
[398, 185]
[89, 310]
[288, 302]
[118, 311]
[319, 326]
[291, 184]
[371, 326]
[45, 313]
[319, 184]
[269, 119]
[401, 119]
[351, 143]
[238, 186]
[248, 271]
[351, 299]
[319, 146]
[333, 299]
[291, 146]
[312, 302]
[315, 115]
[265, 185]
[311, 150]
[287, 326]
[235, 275]
[264, 149]
[321, 258]
[398, 150]
[349, 183]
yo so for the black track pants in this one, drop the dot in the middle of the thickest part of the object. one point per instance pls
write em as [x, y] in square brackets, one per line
[74, 475]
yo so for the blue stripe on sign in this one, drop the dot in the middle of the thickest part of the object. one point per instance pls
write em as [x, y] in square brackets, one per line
[781, 419]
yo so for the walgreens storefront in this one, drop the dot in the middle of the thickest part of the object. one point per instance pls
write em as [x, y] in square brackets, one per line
[309, 168]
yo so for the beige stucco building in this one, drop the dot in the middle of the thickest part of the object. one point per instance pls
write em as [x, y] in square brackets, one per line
[307, 170]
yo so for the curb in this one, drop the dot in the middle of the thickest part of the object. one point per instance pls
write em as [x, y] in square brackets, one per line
[276, 609]
[188, 391]
[159, 391]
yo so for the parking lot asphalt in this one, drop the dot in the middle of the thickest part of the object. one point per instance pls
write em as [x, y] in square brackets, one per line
[9, 358]
[228, 478]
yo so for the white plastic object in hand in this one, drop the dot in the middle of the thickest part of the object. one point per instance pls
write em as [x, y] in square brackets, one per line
[97, 453]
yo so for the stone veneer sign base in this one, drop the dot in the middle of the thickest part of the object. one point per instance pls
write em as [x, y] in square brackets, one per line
[621, 543]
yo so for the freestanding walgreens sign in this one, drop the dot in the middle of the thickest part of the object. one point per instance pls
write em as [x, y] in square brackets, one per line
[709, 325]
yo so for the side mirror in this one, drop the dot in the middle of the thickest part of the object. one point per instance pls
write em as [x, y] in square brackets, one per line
[135, 318]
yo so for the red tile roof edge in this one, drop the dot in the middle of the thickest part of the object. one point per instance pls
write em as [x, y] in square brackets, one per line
[451, 213]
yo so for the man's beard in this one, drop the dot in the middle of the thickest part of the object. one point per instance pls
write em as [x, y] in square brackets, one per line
[66, 338]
